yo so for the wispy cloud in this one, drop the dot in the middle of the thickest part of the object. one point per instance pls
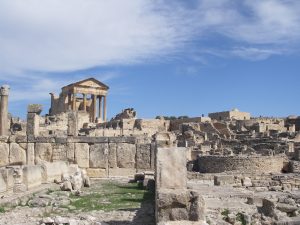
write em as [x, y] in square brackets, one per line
[74, 35]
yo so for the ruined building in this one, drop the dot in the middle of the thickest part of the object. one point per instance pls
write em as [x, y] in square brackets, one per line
[241, 168]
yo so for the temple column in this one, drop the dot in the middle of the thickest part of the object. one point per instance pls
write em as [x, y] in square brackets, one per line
[69, 101]
[4, 91]
[94, 107]
[74, 102]
[104, 109]
[84, 102]
[100, 107]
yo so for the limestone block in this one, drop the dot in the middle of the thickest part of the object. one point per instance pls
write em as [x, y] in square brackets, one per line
[53, 171]
[223, 180]
[99, 155]
[43, 152]
[170, 163]
[30, 154]
[121, 172]
[33, 121]
[72, 124]
[32, 176]
[82, 154]
[172, 205]
[4, 153]
[17, 155]
[268, 208]
[96, 173]
[70, 150]
[143, 156]
[2, 184]
[7, 174]
[112, 155]
[59, 152]
[126, 155]
[197, 210]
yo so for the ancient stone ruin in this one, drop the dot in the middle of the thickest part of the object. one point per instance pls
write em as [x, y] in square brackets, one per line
[226, 168]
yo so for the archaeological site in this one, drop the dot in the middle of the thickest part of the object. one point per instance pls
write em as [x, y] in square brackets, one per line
[74, 166]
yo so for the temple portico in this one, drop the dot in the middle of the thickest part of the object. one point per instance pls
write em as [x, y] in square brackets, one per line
[86, 96]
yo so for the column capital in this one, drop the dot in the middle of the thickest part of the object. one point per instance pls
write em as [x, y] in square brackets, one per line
[4, 90]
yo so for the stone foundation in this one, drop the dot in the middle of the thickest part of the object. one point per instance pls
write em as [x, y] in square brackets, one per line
[242, 164]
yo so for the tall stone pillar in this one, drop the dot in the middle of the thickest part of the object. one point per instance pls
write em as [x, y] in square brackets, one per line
[104, 109]
[100, 107]
[74, 102]
[69, 101]
[4, 91]
[94, 107]
[84, 102]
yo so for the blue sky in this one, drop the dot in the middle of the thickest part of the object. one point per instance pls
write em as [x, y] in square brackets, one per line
[181, 58]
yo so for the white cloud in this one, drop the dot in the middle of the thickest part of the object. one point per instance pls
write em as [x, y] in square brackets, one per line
[56, 35]
[70, 35]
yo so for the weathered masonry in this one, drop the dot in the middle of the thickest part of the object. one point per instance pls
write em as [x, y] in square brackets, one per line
[87, 96]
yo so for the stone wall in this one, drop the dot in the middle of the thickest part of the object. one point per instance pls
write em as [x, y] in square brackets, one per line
[101, 156]
[255, 164]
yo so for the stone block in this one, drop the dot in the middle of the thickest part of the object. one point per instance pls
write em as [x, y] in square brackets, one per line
[30, 154]
[2, 184]
[72, 124]
[53, 171]
[43, 152]
[112, 155]
[126, 155]
[99, 156]
[17, 155]
[41, 139]
[86, 139]
[96, 173]
[122, 172]
[4, 153]
[143, 156]
[59, 152]
[7, 174]
[268, 208]
[70, 151]
[82, 154]
[33, 124]
[35, 108]
[223, 180]
[123, 139]
[170, 163]
[32, 176]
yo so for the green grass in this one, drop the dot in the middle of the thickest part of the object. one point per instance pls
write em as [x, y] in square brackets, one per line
[2, 210]
[112, 196]
[241, 218]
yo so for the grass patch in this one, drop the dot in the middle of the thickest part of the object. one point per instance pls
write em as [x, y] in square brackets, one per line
[112, 196]
[241, 218]
[2, 210]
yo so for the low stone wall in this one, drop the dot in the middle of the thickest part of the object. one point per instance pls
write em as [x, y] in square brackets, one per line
[101, 156]
[243, 164]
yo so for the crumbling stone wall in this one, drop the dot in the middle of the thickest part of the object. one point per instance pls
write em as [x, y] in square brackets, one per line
[101, 156]
[255, 164]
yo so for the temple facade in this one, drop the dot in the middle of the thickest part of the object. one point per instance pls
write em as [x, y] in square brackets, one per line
[87, 96]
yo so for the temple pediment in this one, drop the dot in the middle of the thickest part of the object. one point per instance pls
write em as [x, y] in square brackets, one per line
[88, 83]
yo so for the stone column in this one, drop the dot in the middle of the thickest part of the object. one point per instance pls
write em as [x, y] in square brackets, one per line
[100, 107]
[4, 91]
[69, 101]
[33, 119]
[104, 109]
[74, 102]
[84, 102]
[94, 107]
